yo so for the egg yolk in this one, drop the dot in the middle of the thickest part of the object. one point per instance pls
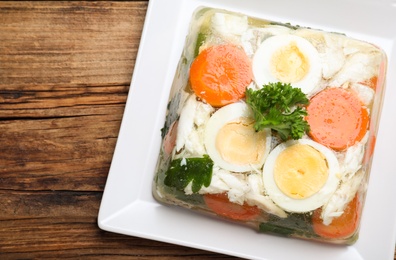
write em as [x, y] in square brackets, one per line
[237, 142]
[289, 64]
[300, 171]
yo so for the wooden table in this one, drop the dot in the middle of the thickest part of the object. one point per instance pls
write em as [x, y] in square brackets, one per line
[65, 71]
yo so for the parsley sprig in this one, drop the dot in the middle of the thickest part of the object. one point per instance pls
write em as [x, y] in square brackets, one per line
[185, 170]
[280, 107]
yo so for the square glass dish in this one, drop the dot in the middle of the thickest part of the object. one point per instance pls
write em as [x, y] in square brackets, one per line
[272, 125]
[128, 206]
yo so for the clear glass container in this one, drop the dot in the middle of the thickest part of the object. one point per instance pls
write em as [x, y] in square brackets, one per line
[279, 171]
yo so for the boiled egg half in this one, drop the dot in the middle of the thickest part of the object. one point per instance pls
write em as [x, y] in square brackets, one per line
[232, 142]
[290, 59]
[300, 176]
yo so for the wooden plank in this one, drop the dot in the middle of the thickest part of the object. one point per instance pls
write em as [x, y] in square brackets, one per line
[66, 153]
[67, 238]
[70, 206]
[62, 224]
[68, 43]
[63, 87]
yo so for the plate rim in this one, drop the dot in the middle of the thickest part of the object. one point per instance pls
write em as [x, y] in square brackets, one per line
[118, 199]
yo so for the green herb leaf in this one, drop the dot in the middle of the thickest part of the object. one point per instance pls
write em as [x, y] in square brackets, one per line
[275, 230]
[185, 170]
[279, 106]
[200, 41]
[295, 224]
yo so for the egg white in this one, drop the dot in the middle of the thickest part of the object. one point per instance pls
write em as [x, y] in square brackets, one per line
[310, 203]
[262, 61]
[221, 117]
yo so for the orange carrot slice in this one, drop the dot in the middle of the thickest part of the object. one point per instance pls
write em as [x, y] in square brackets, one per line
[337, 118]
[220, 74]
[370, 147]
[371, 82]
[220, 204]
[170, 138]
[342, 226]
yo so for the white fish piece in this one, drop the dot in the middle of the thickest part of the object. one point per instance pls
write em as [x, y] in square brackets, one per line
[351, 160]
[216, 186]
[333, 57]
[240, 189]
[340, 199]
[229, 24]
[271, 30]
[330, 49]
[352, 46]
[202, 113]
[237, 184]
[189, 139]
[364, 93]
[186, 122]
[358, 67]
[225, 28]
[256, 197]
[193, 146]
[316, 38]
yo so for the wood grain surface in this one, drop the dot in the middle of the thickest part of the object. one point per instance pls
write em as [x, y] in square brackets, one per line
[65, 71]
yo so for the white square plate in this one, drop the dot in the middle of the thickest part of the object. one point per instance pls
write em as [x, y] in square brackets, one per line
[128, 206]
